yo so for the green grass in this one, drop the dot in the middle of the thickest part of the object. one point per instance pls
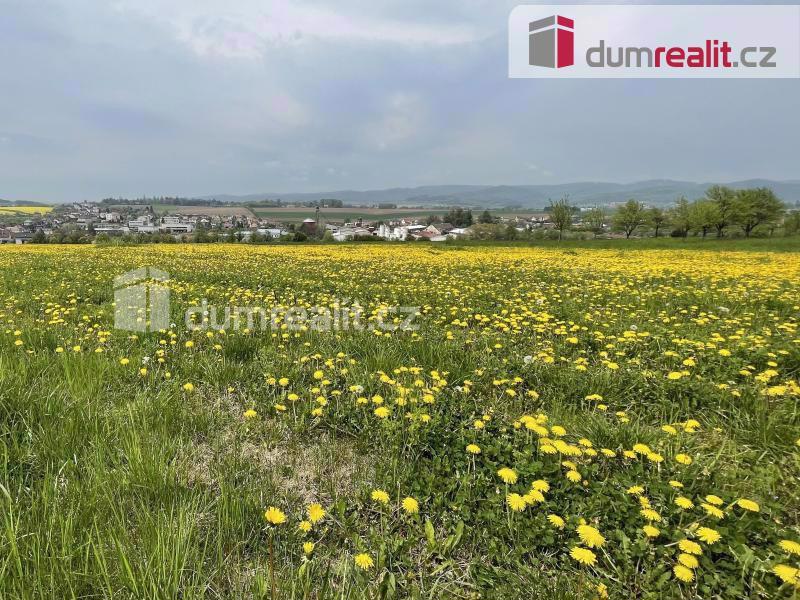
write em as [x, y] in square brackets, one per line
[118, 484]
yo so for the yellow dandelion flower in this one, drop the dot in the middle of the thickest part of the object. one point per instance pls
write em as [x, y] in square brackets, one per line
[650, 531]
[714, 511]
[583, 555]
[590, 536]
[540, 485]
[683, 459]
[787, 574]
[556, 521]
[574, 476]
[275, 516]
[516, 502]
[304, 526]
[473, 449]
[650, 515]
[708, 535]
[790, 547]
[534, 497]
[690, 547]
[683, 574]
[380, 496]
[308, 548]
[508, 476]
[364, 561]
[688, 560]
[684, 502]
[315, 513]
[748, 505]
[410, 505]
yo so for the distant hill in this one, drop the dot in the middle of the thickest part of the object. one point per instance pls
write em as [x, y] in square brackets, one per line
[20, 203]
[656, 192]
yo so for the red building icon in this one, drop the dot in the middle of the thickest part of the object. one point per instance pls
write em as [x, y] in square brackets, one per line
[552, 42]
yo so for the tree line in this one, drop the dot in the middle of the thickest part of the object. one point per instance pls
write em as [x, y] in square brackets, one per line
[719, 211]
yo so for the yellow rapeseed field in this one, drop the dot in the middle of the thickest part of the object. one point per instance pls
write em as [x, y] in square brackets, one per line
[26, 210]
[555, 423]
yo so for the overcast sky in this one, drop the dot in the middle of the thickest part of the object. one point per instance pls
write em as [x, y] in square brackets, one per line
[197, 97]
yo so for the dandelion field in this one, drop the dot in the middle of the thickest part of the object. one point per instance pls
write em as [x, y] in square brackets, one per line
[565, 423]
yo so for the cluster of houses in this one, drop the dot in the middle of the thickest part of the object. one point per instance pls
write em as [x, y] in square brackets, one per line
[15, 234]
[401, 231]
[97, 218]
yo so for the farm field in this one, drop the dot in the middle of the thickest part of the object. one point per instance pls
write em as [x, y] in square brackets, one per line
[373, 214]
[211, 211]
[24, 210]
[345, 214]
[561, 423]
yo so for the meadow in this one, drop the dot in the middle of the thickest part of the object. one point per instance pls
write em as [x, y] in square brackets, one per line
[564, 422]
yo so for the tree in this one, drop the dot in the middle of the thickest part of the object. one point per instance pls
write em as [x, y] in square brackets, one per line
[468, 218]
[39, 238]
[723, 198]
[596, 219]
[657, 218]
[791, 225]
[703, 215]
[755, 207]
[458, 217]
[561, 213]
[629, 217]
[485, 218]
[680, 215]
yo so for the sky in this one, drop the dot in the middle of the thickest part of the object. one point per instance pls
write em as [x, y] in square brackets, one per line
[128, 98]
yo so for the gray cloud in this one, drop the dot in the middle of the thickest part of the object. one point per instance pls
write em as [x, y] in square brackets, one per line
[201, 97]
